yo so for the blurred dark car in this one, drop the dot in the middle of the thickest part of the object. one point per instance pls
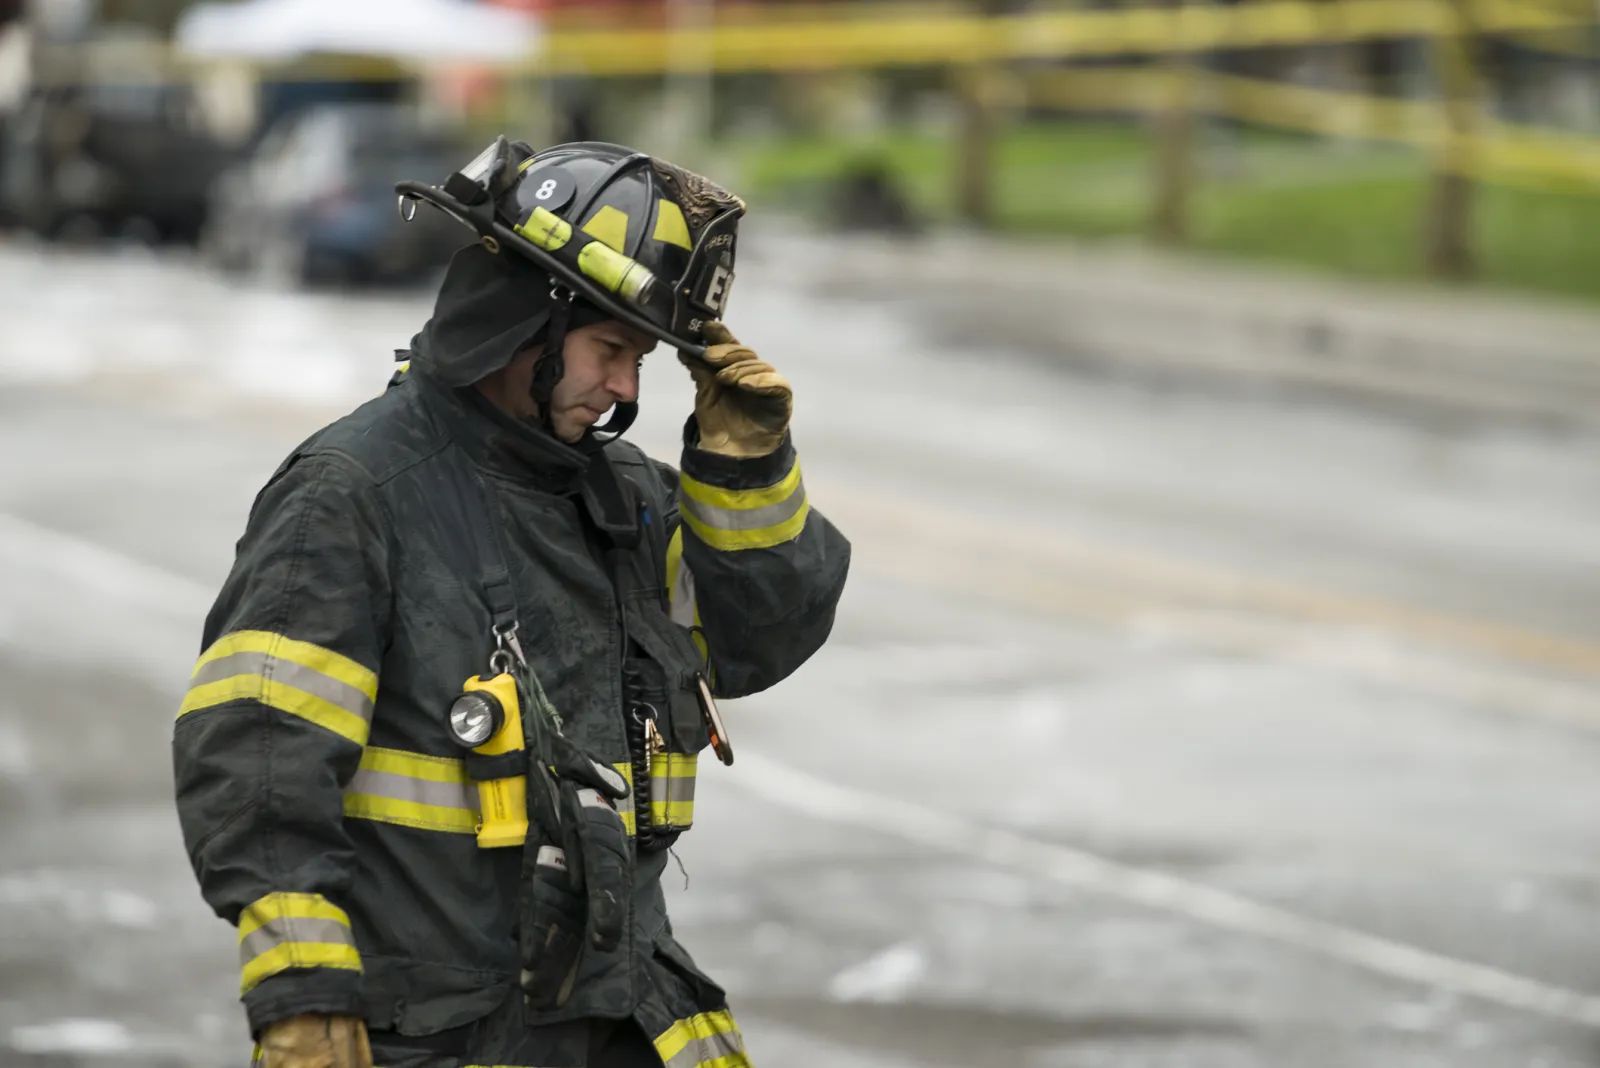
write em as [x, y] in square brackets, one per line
[93, 160]
[315, 203]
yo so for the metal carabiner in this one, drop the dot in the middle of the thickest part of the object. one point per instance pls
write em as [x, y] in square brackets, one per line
[507, 649]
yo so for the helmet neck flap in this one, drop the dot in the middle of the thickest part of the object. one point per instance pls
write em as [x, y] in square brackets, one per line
[490, 308]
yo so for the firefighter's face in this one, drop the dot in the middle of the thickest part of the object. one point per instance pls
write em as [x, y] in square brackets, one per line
[602, 369]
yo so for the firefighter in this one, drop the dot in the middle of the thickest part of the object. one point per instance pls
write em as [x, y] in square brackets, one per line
[454, 695]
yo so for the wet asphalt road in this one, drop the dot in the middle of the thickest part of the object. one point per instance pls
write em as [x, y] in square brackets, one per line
[1305, 656]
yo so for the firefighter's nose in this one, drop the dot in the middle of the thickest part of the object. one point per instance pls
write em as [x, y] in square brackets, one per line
[624, 383]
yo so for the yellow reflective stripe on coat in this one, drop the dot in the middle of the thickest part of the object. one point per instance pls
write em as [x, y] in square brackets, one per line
[296, 677]
[630, 822]
[745, 519]
[672, 779]
[413, 790]
[284, 930]
[431, 793]
[710, 1040]
[683, 606]
[680, 584]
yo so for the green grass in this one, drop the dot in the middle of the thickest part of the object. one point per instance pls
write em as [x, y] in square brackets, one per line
[1265, 196]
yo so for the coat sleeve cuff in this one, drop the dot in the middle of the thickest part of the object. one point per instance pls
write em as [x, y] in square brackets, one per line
[292, 993]
[734, 472]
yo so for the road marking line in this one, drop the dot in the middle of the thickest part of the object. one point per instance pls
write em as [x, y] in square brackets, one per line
[1477, 682]
[904, 523]
[801, 792]
[947, 832]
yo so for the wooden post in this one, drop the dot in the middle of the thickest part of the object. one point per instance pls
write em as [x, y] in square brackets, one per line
[1448, 241]
[1172, 130]
[691, 80]
[975, 143]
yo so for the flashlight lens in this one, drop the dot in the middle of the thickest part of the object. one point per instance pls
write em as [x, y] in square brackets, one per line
[474, 718]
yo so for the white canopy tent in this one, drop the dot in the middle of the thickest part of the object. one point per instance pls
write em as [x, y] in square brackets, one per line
[419, 30]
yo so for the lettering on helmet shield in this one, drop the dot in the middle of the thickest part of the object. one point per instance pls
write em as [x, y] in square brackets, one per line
[714, 296]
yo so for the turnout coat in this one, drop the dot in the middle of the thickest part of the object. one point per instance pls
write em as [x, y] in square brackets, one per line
[325, 806]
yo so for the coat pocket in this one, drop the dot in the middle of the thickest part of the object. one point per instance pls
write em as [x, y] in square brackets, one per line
[666, 727]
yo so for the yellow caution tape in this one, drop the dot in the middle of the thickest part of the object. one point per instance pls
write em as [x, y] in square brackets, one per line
[1496, 152]
[883, 39]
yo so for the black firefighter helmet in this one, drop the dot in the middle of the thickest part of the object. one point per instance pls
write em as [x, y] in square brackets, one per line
[646, 241]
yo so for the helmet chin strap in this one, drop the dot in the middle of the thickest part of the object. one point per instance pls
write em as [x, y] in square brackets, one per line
[622, 417]
[552, 364]
[550, 368]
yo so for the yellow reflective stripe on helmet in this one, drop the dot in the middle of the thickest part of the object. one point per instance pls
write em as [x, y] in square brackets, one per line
[597, 259]
[610, 225]
[745, 519]
[289, 930]
[670, 225]
[413, 790]
[546, 229]
[709, 1040]
[296, 677]
[616, 272]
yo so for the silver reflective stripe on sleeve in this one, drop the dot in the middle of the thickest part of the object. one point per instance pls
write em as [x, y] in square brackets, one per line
[297, 677]
[289, 673]
[286, 930]
[745, 519]
[710, 1039]
[276, 932]
[729, 520]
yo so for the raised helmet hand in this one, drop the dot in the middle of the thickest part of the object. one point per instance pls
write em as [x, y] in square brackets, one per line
[741, 402]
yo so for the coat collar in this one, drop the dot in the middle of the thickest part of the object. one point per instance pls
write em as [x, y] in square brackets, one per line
[500, 443]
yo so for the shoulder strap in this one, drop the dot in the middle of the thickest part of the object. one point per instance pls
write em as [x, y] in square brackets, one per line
[494, 577]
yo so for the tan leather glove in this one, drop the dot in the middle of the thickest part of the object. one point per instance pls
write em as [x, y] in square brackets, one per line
[315, 1040]
[741, 403]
